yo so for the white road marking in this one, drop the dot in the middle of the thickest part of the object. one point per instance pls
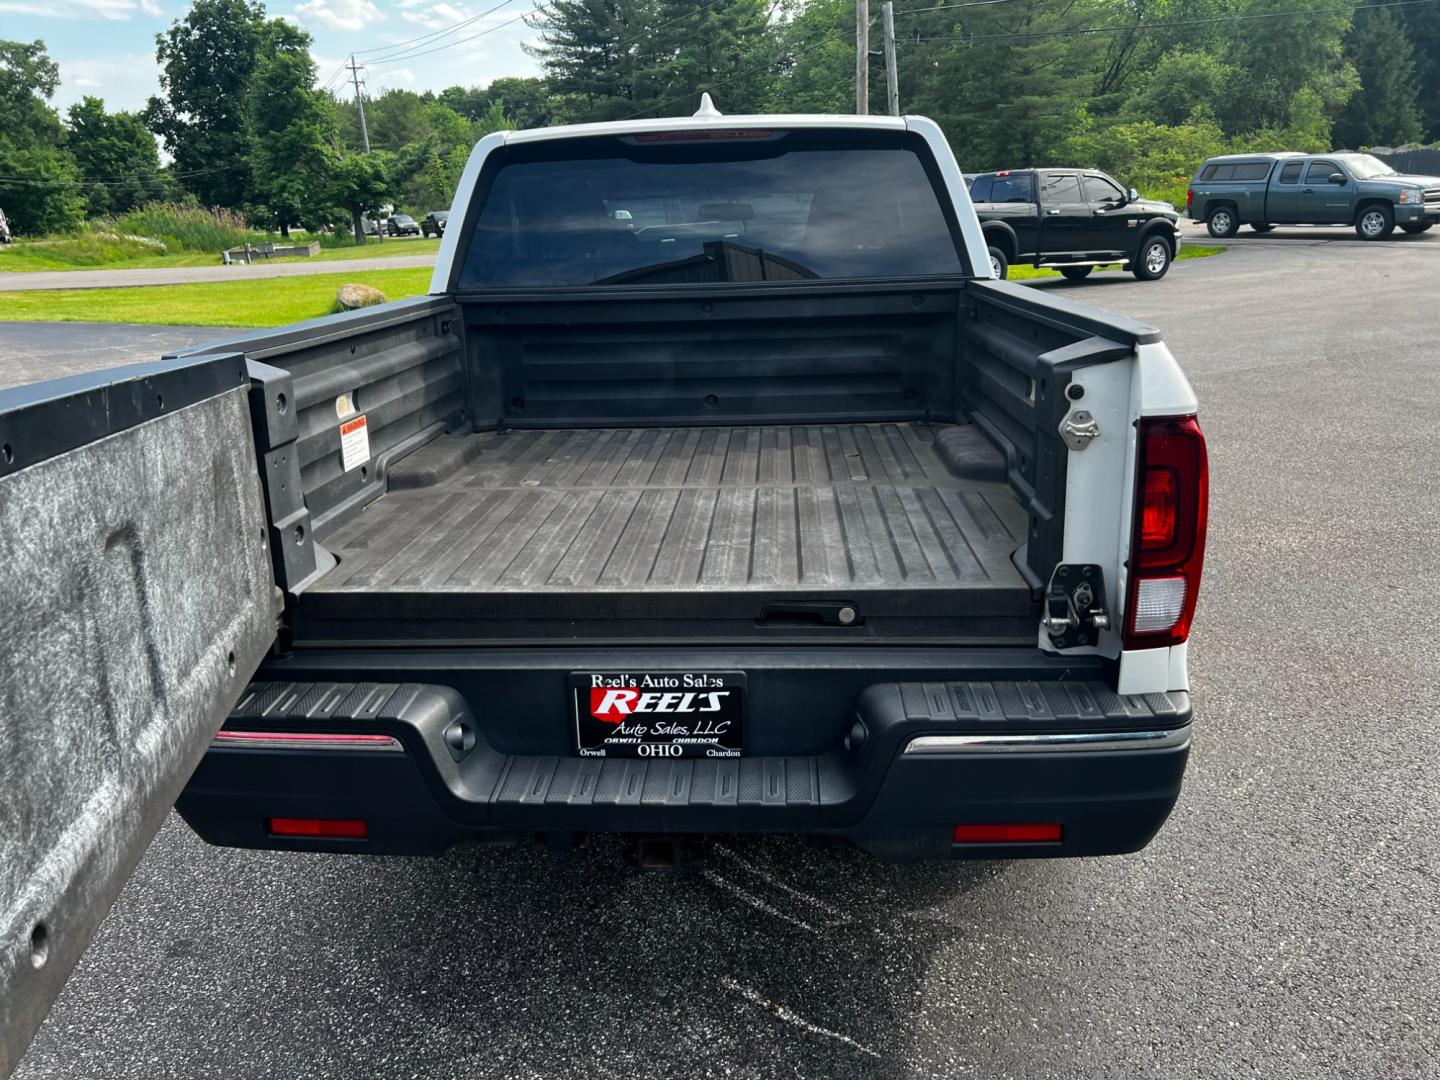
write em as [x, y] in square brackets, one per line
[755, 901]
[793, 1018]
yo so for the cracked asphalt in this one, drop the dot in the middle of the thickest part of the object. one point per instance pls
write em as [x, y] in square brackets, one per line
[1286, 923]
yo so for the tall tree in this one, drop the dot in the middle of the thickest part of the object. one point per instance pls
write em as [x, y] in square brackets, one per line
[293, 135]
[362, 183]
[116, 157]
[608, 59]
[42, 192]
[1422, 23]
[1386, 110]
[207, 61]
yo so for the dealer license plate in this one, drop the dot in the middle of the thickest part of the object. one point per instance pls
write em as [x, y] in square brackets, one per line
[659, 714]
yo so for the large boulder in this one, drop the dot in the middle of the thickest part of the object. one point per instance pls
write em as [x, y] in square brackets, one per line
[351, 297]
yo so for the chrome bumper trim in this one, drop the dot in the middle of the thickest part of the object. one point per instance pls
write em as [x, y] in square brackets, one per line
[1059, 742]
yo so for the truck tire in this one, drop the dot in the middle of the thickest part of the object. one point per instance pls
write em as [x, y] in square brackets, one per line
[1153, 258]
[1415, 228]
[1375, 222]
[1222, 221]
[1261, 228]
[999, 265]
[1075, 273]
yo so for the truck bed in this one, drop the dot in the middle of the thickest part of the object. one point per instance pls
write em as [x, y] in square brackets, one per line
[874, 514]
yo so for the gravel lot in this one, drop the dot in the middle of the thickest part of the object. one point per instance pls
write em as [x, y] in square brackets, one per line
[1286, 923]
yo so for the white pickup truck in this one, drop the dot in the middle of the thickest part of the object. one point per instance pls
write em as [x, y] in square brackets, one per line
[715, 487]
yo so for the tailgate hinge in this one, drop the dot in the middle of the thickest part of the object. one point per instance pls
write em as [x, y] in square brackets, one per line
[1075, 610]
[1078, 428]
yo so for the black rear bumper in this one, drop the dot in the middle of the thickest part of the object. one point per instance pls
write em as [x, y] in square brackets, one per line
[909, 762]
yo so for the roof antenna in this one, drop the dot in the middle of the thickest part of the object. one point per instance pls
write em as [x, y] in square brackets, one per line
[707, 107]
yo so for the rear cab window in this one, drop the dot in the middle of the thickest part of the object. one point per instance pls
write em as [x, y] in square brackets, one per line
[1290, 174]
[1013, 187]
[980, 189]
[1060, 188]
[694, 208]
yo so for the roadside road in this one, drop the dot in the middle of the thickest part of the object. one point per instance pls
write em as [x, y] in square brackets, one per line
[31, 280]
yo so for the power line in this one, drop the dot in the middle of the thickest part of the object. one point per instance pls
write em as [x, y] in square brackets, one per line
[122, 180]
[420, 46]
[397, 45]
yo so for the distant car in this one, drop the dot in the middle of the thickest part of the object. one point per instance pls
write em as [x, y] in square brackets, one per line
[401, 225]
[434, 223]
[1073, 220]
[4, 229]
[371, 226]
[1266, 190]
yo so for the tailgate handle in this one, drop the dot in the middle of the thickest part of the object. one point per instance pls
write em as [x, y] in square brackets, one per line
[818, 613]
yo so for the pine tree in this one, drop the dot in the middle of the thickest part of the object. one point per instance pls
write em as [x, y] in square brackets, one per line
[1385, 111]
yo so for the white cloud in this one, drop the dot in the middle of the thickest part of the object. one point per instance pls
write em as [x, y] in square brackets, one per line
[149, 7]
[340, 14]
[124, 80]
[394, 77]
[112, 10]
[436, 17]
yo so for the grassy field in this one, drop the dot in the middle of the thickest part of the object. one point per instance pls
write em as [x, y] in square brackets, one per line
[1028, 273]
[263, 302]
[84, 253]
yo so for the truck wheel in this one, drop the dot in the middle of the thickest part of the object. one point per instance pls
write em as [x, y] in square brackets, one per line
[1261, 228]
[1075, 273]
[1376, 222]
[1152, 260]
[999, 265]
[1222, 222]
[1415, 228]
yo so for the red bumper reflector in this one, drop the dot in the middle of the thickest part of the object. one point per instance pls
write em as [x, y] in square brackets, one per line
[328, 828]
[1007, 834]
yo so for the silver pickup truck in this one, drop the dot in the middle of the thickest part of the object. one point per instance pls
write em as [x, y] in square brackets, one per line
[1265, 190]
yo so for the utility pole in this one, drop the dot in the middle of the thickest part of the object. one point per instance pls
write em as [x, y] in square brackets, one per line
[892, 74]
[359, 101]
[862, 57]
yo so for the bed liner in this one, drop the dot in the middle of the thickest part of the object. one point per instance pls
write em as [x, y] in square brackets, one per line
[683, 518]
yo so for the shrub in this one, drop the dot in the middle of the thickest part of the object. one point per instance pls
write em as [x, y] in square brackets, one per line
[184, 228]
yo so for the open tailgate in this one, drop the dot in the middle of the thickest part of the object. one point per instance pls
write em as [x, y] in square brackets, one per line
[138, 599]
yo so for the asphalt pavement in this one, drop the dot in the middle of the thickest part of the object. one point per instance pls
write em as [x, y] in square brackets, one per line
[31, 351]
[1285, 923]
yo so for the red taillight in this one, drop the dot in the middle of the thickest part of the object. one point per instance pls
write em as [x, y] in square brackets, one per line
[322, 828]
[1167, 550]
[1007, 834]
[1189, 198]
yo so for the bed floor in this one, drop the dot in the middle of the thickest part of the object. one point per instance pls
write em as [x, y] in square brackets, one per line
[818, 508]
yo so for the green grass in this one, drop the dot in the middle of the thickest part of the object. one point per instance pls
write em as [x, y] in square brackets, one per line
[87, 251]
[1029, 273]
[263, 302]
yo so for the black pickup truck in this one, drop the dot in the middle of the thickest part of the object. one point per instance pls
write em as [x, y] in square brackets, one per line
[1073, 220]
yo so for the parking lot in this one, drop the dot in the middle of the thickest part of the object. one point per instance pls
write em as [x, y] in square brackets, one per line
[1286, 922]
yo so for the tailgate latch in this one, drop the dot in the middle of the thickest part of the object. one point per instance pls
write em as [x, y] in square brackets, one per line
[1075, 610]
[1078, 428]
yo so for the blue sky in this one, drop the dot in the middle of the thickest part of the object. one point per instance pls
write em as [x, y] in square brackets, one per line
[106, 48]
